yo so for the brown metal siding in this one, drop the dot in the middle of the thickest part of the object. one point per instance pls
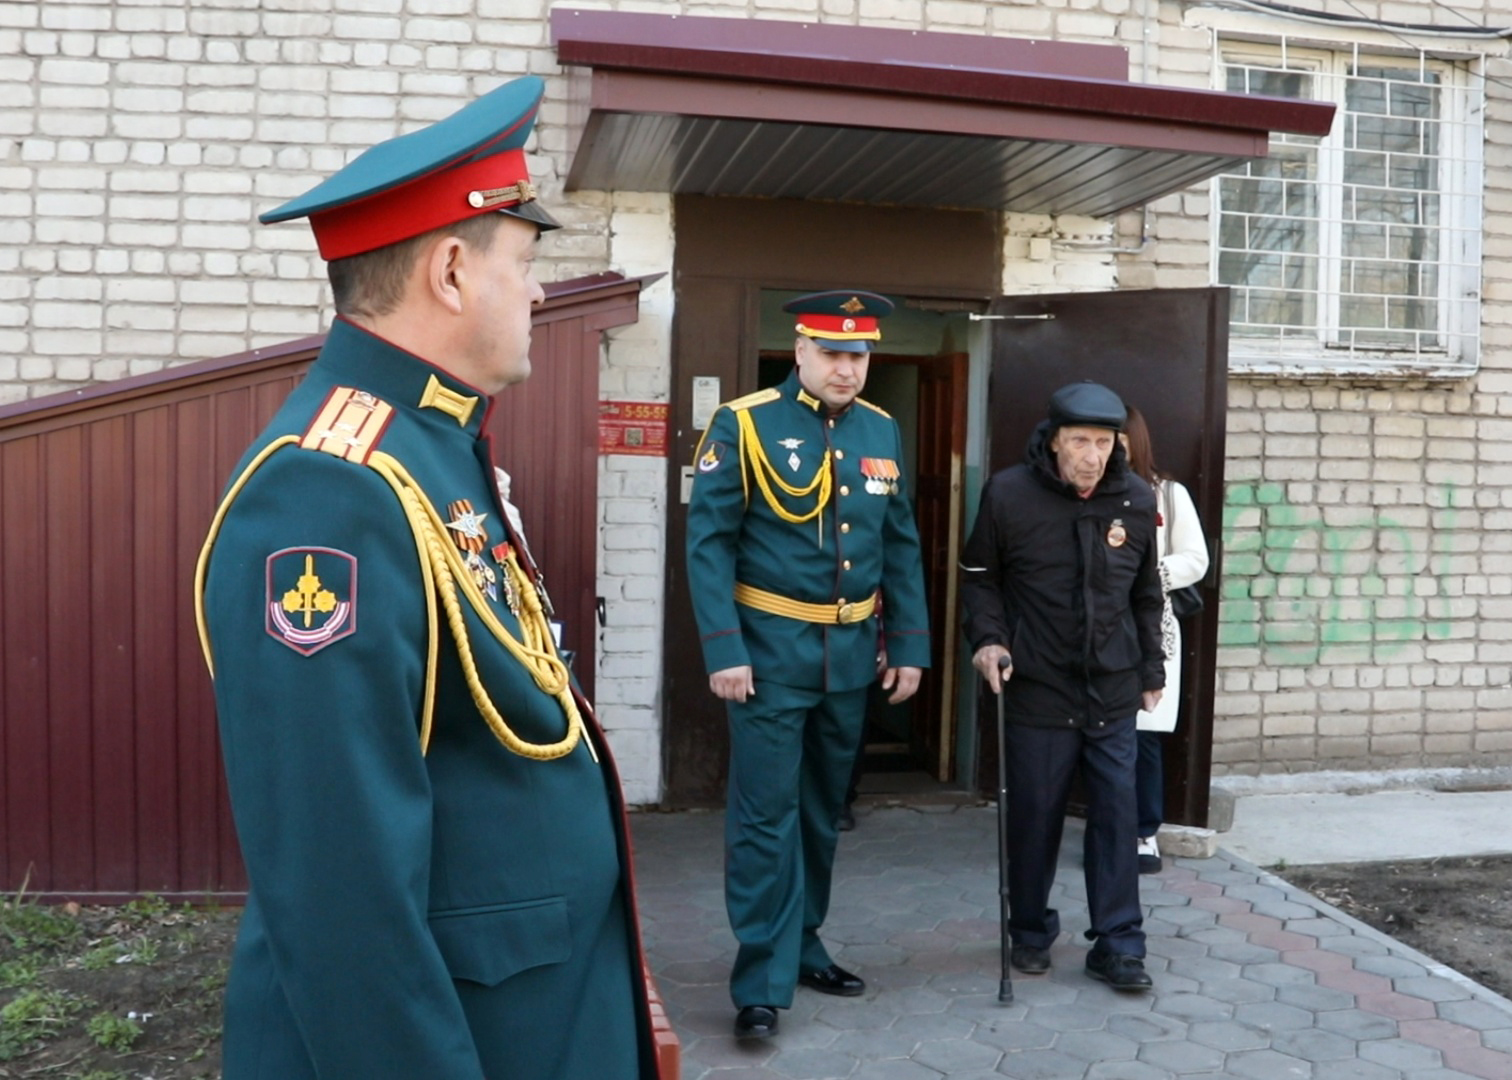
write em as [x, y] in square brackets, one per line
[110, 777]
[112, 770]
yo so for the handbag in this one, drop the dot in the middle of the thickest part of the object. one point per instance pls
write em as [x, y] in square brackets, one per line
[1187, 600]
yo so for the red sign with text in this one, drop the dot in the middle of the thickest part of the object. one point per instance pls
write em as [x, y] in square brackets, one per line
[633, 427]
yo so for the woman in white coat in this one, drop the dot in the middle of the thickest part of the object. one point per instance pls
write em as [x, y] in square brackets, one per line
[1183, 561]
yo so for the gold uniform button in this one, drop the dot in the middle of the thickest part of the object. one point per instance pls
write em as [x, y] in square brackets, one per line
[846, 564]
[831, 423]
[845, 526]
[839, 455]
[844, 490]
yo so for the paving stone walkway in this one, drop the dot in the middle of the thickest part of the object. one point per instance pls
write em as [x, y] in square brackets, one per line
[1253, 978]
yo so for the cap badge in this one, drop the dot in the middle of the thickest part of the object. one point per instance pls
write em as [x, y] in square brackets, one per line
[853, 305]
[1116, 533]
[848, 326]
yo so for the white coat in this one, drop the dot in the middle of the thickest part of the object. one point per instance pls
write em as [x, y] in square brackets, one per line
[1183, 561]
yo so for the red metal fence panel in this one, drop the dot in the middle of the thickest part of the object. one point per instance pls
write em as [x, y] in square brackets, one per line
[110, 777]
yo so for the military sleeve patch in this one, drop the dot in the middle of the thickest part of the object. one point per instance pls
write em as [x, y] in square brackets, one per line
[312, 597]
[713, 454]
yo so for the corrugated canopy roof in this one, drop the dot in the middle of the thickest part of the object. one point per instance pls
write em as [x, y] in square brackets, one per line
[713, 106]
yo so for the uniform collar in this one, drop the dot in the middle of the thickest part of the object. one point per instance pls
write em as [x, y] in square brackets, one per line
[356, 357]
[792, 388]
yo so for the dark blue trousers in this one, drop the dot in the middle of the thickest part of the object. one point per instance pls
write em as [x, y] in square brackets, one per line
[1041, 765]
[791, 753]
[1149, 782]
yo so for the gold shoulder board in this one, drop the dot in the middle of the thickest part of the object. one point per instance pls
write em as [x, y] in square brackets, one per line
[874, 408]
[760, 397]
[349, 425]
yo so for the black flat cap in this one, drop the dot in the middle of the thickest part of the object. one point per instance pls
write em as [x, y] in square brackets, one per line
[1087, 404]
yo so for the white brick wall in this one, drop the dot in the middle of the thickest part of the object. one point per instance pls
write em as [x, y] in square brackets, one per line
[1367, 614]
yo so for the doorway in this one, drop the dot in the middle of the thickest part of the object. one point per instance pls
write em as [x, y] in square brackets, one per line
[1166, 351]
[737, 260]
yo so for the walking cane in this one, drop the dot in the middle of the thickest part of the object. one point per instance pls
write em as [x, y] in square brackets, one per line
[1005, 985]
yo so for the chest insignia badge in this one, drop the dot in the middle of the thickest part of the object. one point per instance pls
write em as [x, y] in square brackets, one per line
[881, 475]
[793, 459]
[1116, 533]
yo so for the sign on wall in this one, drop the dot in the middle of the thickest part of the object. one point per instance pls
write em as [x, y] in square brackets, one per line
[633, 427]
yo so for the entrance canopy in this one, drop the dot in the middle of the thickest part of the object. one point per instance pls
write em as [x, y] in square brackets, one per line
[712, 106]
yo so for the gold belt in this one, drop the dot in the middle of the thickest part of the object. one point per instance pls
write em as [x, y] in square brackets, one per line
[841, 612]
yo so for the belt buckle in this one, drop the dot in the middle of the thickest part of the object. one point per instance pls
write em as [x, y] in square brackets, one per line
[843, 613]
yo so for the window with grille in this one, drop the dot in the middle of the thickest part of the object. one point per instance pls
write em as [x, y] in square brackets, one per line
[1360, 250]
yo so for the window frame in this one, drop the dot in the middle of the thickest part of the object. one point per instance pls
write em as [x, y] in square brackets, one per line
[1460, 180]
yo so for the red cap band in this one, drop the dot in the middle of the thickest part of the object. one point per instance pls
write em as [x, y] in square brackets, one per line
[840, 327]
[423, 204]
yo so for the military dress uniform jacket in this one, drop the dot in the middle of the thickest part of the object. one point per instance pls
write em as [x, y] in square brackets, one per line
[424, 902]
[1071, 586]
[855, 535]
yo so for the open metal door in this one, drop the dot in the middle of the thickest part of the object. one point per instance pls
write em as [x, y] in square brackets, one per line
[1166, 351]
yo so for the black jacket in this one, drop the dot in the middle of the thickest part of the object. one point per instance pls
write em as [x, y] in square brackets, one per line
[1070, 586]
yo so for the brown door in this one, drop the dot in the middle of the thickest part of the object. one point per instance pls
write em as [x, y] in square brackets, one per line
[1165, 351]
[728, 250]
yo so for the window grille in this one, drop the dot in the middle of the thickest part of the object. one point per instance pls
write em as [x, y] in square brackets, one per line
[1359, 250]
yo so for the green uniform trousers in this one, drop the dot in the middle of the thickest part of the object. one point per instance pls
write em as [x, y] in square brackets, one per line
[791, 753]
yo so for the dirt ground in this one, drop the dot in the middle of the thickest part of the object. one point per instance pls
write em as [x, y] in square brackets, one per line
[1458, 911]
[118, 993]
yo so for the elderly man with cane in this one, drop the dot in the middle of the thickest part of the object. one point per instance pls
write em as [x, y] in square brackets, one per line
[1062, 595]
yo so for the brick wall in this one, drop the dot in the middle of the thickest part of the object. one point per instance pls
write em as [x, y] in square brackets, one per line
[1366, 615]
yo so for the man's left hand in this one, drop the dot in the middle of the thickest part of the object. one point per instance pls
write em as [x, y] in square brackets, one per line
[1151, 699]
[902, 681]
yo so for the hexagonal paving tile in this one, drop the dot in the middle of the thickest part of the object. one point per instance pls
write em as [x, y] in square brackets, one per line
[1182, 1057]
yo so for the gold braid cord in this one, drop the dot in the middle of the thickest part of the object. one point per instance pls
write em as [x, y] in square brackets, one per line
[536, 653]
[766, 475]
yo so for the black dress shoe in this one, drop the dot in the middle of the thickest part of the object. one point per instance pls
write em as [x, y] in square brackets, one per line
[755, 1022]
[1030, 960]
[1118, 970]
[834, 980]
[847, 820]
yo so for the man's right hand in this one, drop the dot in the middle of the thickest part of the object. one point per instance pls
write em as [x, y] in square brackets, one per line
[733, 683]
[986, 662]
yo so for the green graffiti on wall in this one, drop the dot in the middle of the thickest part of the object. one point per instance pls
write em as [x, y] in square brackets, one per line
[1306, 591]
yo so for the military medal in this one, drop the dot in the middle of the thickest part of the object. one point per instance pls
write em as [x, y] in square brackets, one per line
[501, 554]
[881, 475]
[468, 534]
[1116, 533]
[793, 459]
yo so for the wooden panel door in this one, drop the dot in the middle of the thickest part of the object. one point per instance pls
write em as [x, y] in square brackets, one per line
[1165, 351]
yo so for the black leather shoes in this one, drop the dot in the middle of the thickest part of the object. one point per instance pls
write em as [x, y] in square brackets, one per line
[847, 819]
[834, 980]
[1029, 960]
[1118, 970]
[755, 1022]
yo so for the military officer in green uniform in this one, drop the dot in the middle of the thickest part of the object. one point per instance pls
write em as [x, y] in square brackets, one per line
[801, 544]
[432, 826]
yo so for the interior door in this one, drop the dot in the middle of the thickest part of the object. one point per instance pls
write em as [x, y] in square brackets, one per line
[1166, 351]
[937, 504]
